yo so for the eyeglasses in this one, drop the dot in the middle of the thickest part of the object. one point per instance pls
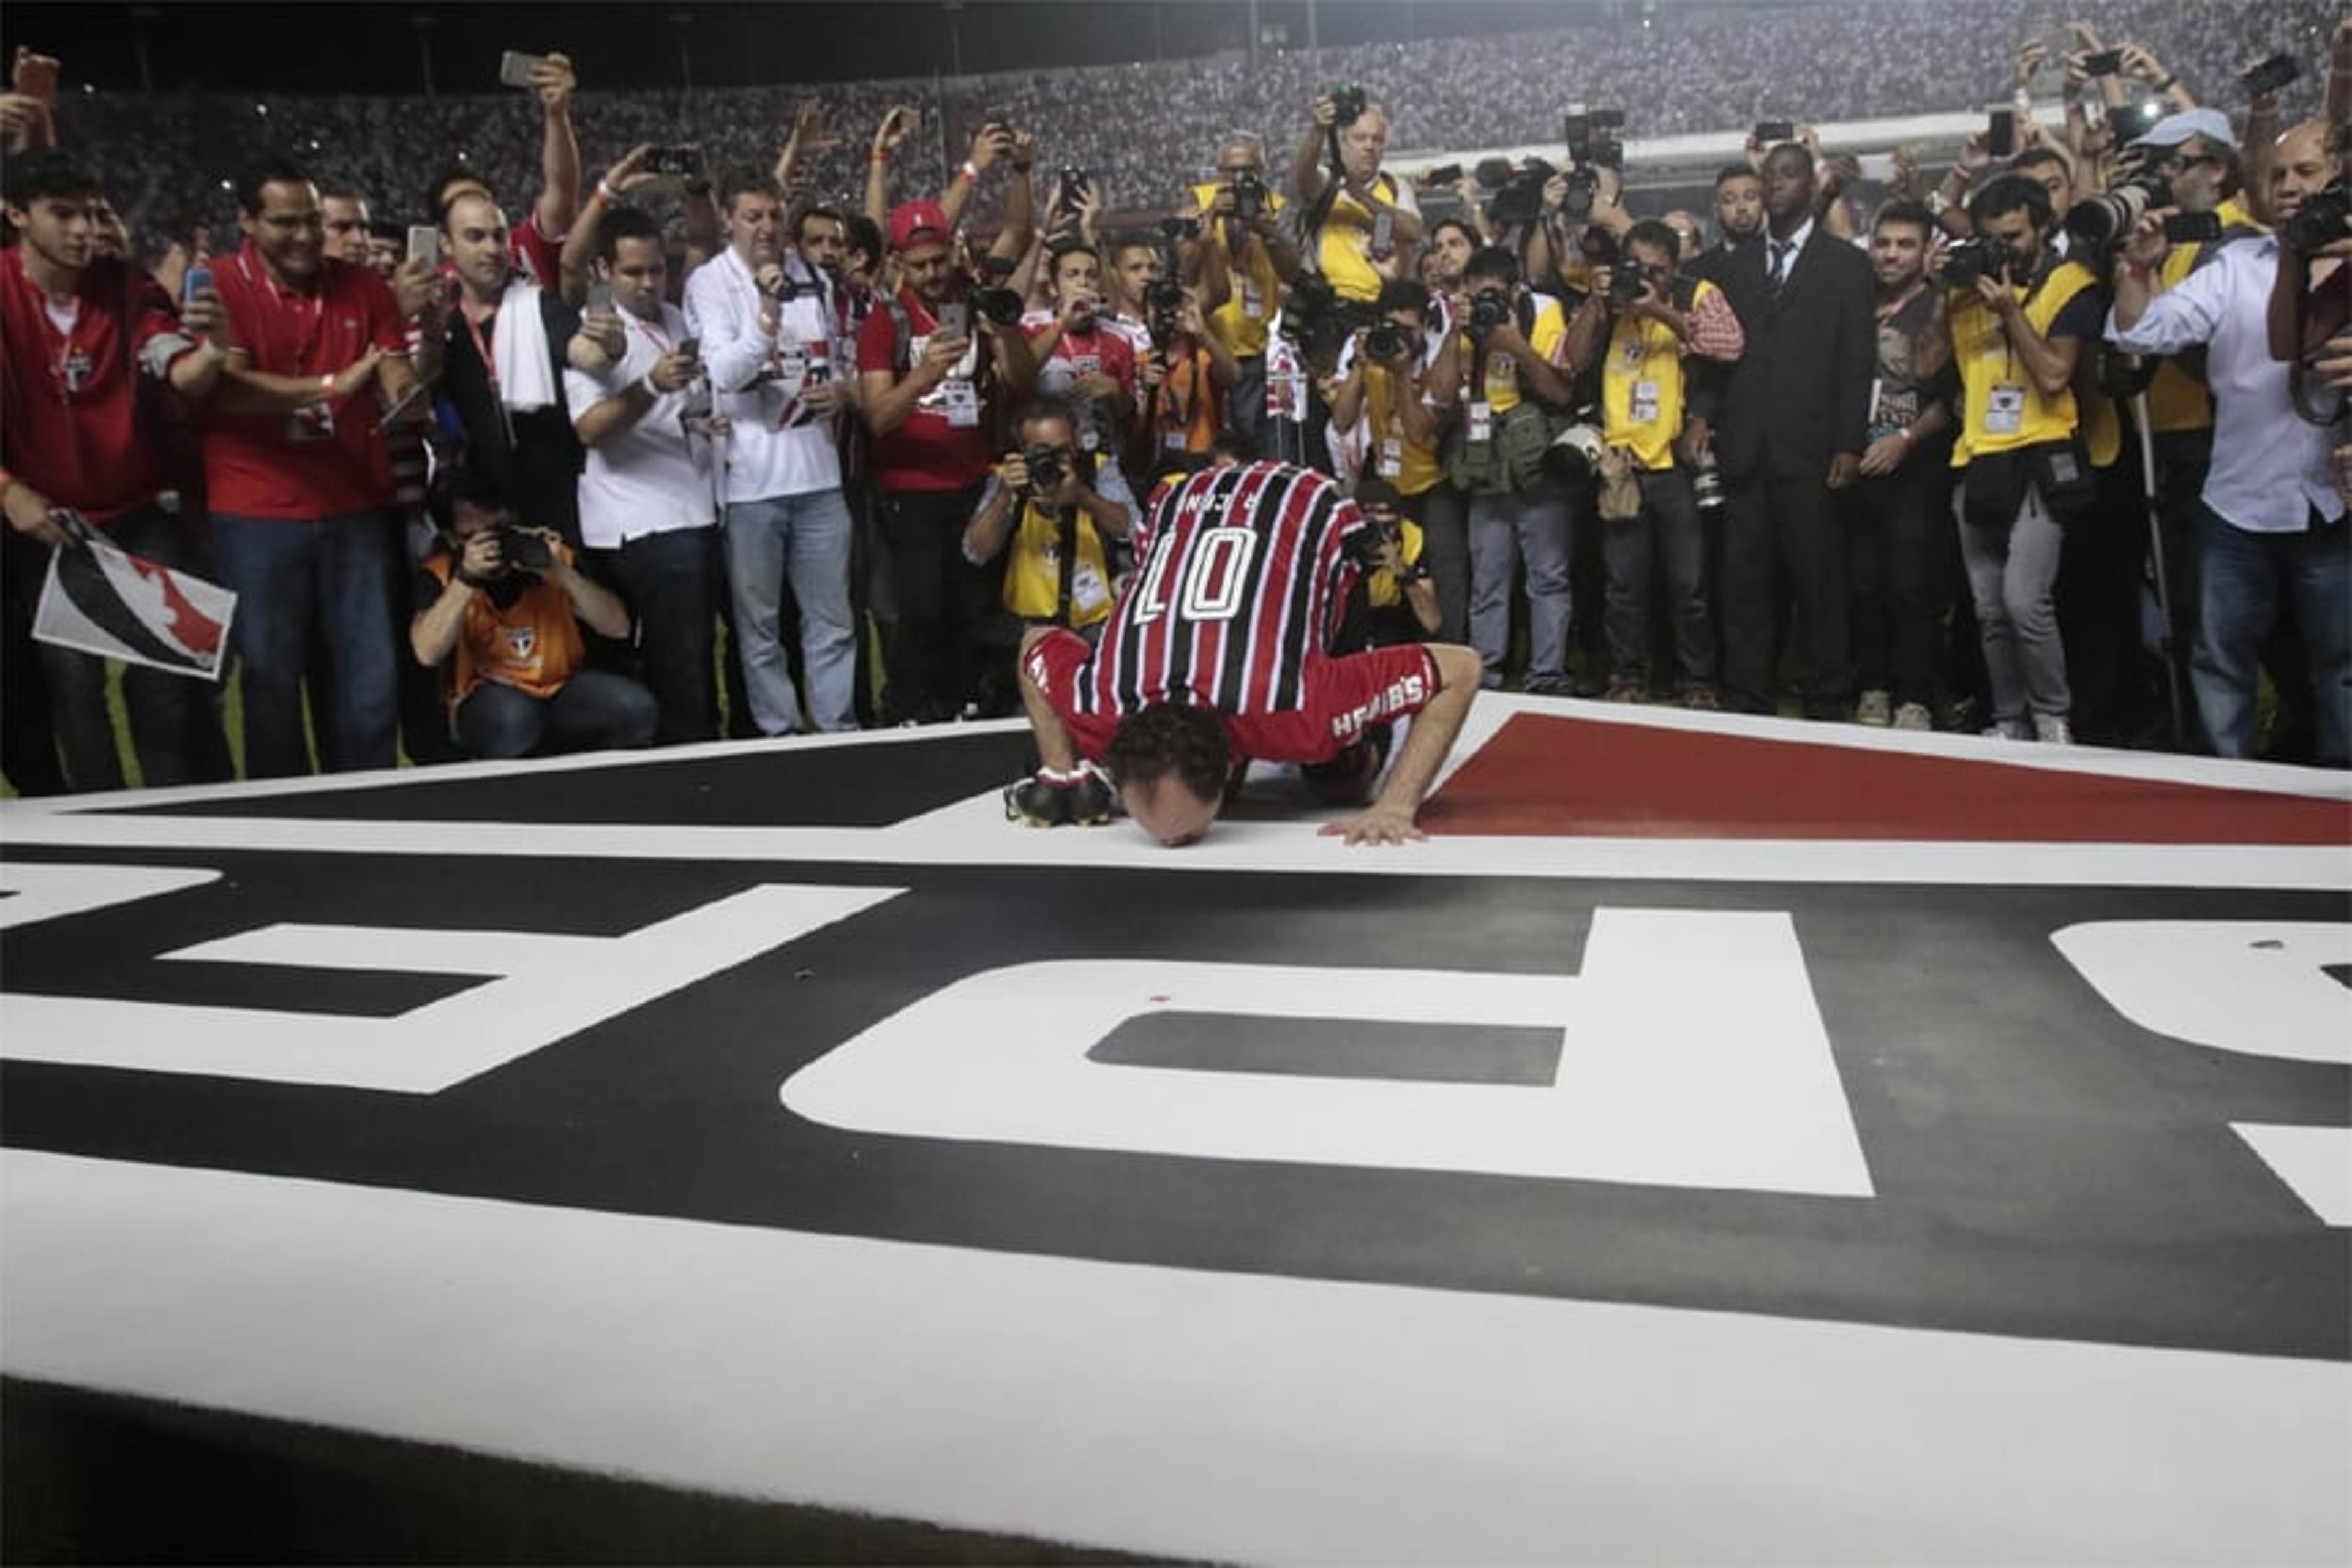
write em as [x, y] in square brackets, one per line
[2180, 165]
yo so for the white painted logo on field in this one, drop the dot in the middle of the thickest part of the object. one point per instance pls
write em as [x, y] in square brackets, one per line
[1693, 1055]
[544, 989]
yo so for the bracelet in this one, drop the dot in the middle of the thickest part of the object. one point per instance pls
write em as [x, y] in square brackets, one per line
[607, 195]
[878, 155]
[971, 171]
[2166, 85]
[327, 385]
[653, 393]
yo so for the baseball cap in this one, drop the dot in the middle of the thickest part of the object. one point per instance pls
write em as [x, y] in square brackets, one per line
[2175, 128]
[912, 222]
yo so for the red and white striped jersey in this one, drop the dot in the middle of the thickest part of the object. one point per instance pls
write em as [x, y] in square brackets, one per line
[1242, 573]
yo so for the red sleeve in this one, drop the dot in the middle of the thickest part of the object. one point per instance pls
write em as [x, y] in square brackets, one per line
[1119, 355]
[540, 254]
[386, 331]
[878, 341]
[151, 315]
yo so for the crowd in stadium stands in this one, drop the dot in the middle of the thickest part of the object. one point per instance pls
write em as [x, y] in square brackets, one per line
[751, 412]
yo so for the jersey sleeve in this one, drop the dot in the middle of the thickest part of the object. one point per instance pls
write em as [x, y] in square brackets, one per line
[1059, 664]
[1345, 697]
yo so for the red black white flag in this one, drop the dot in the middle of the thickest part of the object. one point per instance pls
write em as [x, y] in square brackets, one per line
[103, 600]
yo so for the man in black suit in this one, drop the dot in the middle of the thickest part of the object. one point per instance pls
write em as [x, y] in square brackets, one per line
[1794, 419]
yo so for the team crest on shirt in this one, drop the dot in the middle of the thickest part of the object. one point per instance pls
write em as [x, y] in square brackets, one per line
[522, 644]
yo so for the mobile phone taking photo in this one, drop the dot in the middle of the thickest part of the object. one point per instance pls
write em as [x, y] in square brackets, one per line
[515, 67]
[1772, 132]
[955, 319]
[197, 279]
[425, 244]
[2271, 75]
[2000, 131]
[600, 299]
[2106, 62]
[683, 161]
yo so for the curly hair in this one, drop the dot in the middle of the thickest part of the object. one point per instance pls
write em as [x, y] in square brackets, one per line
[1171, 738]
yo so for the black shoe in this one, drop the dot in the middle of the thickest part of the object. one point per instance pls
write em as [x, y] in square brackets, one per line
[1089, 797]
[1037, 802]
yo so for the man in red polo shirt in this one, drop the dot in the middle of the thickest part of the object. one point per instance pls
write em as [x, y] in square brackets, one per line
[934, 394]
[294, 458]
[84, 341]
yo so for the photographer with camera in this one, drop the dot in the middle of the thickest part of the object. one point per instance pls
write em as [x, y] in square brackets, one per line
[1395, 601]
[501, 606]
[646, 503]
[936, 375]
[1513, 347]
[1079, 356]
[1242, 233]
[1389, 399]
[2273, 507]
[769, 337]
[1056, 504]
[2020, 317]
[1362, 223]
[1655, 321]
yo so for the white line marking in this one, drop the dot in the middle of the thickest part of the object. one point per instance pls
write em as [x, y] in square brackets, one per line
[1163, 1411]
[38, 892]
[1693, 1055]
[2316, 1162]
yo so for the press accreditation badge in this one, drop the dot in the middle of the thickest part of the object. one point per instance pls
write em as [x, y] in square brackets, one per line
[1482, 421]
[2005, 409]
[1645, 410]
[1391, 458]
[315, 423]
[960, 404]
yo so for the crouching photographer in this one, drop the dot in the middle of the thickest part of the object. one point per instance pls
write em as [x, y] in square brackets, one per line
[2020, 317]
[1053, 509]
[501, 607]
[1389, 400]
[1656, 319]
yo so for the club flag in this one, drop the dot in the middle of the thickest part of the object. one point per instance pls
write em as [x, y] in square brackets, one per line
[104, 600]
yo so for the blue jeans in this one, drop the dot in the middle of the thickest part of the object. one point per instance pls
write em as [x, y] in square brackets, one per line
[804, 538]
[176, 719]
[593, 711]
[2244, 576]
[329, 581]
[1503, 529]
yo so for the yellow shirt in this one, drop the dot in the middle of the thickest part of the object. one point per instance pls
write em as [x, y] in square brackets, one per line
[1345, 241]
[2176, 399]
[1242, 321]
[2003, 410]
[1390, 453]
[1032, 569]
[1642, 388]
[1550, 331]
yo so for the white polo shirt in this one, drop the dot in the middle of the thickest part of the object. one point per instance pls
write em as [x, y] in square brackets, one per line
[650, 478]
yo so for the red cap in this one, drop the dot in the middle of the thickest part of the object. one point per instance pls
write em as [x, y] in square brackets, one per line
[913, 222]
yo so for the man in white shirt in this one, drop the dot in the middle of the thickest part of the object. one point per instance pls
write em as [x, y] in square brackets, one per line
[648, 503]
[771, 341]
[2273, 519]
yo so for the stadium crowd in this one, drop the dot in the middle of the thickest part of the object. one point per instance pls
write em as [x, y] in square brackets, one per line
[797, 414]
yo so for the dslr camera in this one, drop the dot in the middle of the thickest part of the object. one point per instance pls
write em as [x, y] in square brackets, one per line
[1047, 465]
[1163, 302]
[521, 552]
[2320, 221]
[1979, 256]
[1388, 340]
[1587, 133]
[992, 299]
[1519, 194]
[1489, 309]
[1349, 101]
[2103, 222]
[1249, 198]
[1625, 282]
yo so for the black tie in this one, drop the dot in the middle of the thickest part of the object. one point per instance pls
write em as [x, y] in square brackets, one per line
[1781, 249]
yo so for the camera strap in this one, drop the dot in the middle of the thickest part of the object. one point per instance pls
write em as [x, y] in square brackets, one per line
[1067, 518]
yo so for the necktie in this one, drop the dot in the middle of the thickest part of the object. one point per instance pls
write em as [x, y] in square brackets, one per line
[1781, 249]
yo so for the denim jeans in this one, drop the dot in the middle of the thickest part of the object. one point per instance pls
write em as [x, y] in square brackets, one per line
[593, 711]
[673, 582]
[2243, 576]
[2012, 568]
[1503, 529]
[176, 719]
[1666, 531]
[326, 580]
[804, 538]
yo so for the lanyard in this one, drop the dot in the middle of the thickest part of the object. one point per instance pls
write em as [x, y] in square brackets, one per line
[482, 345]
[288, 302]
[660, 342]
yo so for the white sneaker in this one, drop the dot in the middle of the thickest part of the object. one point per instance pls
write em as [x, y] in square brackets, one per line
[1914, 716]
[1874, 708]
[2051, 730]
